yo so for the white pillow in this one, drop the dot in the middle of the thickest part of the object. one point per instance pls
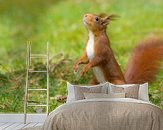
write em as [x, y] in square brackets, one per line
[142, 94]
[103, 95]
[71, 90]
[71, 93]
[122, 85]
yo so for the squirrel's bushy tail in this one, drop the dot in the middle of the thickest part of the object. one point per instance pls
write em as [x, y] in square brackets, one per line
[145, 61]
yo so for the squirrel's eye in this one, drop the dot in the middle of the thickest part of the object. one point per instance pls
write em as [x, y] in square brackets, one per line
[97, 19]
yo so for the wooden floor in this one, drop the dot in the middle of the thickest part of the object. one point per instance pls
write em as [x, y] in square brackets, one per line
[16, 121]
[17, 126]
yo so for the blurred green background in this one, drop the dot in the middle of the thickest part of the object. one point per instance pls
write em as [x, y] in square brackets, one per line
[60, 23]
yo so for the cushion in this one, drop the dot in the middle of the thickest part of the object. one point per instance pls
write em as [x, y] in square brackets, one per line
[76, 92]
[102, 95]
[131, 91]
[142, 94]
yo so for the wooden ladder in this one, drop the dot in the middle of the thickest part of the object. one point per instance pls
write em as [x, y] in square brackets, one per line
[27, 87]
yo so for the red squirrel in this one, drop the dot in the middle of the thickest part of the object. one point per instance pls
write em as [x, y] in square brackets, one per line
[143, 64]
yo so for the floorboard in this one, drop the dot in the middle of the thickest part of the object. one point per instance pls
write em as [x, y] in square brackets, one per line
[6, 125]
[13, 126]
[30, 125]
[18, 126]
[21, 126]
[39, 124]
[16, 121]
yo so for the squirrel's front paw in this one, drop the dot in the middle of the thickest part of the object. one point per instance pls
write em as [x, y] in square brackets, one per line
[86, 68]
[75, 68]
[82, 73]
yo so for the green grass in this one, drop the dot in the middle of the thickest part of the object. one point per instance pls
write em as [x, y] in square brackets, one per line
[60, 23]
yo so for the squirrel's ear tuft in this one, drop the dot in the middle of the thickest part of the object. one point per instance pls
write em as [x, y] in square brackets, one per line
[106, 20]
[102, 15]
[113, 17]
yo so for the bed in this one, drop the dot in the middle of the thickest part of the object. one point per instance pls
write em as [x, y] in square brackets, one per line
[105, 114]
[105, 107]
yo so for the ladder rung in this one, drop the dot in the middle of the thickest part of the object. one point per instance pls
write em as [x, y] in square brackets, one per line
[34, 57]
[36, 89]
[38, 55]
[36, 105]
[43, 71]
